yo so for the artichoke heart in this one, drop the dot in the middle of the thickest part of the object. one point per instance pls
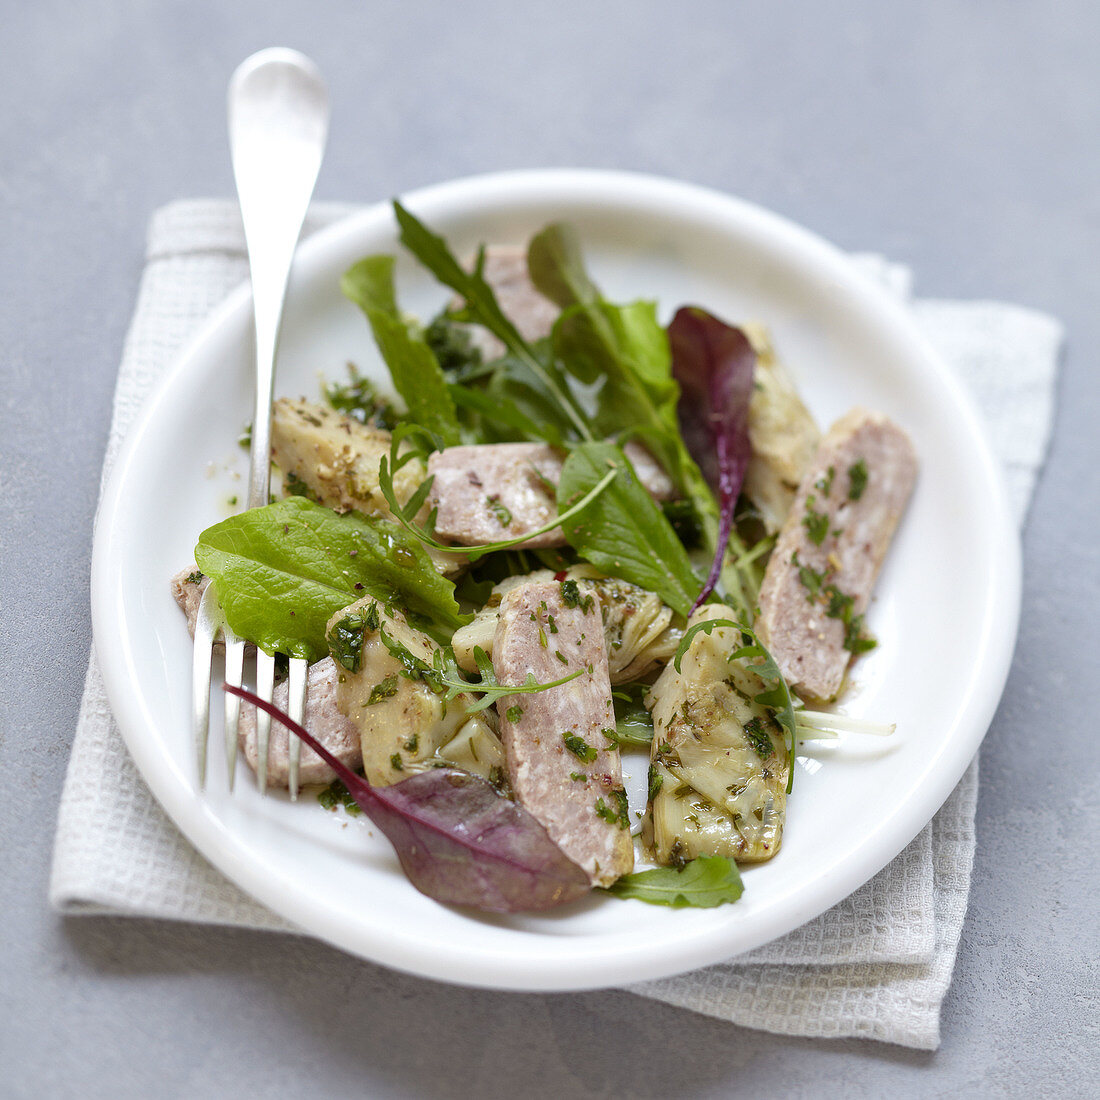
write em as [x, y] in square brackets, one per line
[638, 626]
[404, 724]
[335, 460]
[782, 432]
[719, 762]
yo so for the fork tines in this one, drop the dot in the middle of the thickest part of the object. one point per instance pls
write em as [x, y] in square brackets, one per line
[211, 628]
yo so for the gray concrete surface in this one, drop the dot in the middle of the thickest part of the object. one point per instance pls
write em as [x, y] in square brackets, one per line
[960, 137]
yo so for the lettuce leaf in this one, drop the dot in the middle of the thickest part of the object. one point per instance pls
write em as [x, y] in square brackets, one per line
[622, 531]
[701, 883]
[416, 373]
[284, 570]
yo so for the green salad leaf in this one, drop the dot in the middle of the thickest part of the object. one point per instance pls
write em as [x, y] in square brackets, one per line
[555, 263]
[537, 369]
[416, 373]
[701, 883]
[625, 350]
[622, 531]
[516, 413]
[284, 570]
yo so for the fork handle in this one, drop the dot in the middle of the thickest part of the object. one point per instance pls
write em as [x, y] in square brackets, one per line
[278, 121]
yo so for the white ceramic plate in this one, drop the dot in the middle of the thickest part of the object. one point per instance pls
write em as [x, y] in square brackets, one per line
[945, 612]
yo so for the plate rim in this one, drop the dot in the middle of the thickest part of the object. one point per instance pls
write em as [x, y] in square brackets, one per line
[169, 785]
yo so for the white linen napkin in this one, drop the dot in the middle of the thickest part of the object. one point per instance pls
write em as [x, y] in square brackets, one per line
[875, 966]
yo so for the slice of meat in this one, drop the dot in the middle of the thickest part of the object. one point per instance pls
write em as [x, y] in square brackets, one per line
[639, 633]
[489, 492]
[831, 547]
[188, 585]
[505, 270]
[322, 718]
[494, 491]
[563, 768]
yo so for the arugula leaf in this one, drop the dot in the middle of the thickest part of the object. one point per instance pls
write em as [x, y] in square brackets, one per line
[284, 570]
[622, 532]
[556, 266]
[413, 366]
[701, 883]
[623, 347]
[482, 307]
[444, 677]
[777, 698]
[513, 382]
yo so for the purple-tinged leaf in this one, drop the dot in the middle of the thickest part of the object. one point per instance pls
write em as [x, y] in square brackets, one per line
[458, 840]
[713, 363]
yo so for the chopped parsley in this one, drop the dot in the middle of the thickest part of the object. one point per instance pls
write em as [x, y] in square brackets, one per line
[195, 577]
[413, 667]
[579, 747]
[503, 516]
[514, 713]
[345, 639]
[855, 641]
[578, 777]
[812, 579]
[656, 780]
[395, 762]
[370, 617]
[336, 794]
[294, 486]
[816, 523]
[857, 479]
[452, 345]
[825, 483]
[561, 656]
[619, 813]
[413, 743]
[571, 596]
[384, 689]
[758, 737]
[842, 607]
[361, 401]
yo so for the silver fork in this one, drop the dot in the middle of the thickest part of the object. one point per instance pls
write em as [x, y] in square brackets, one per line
[278, 123]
